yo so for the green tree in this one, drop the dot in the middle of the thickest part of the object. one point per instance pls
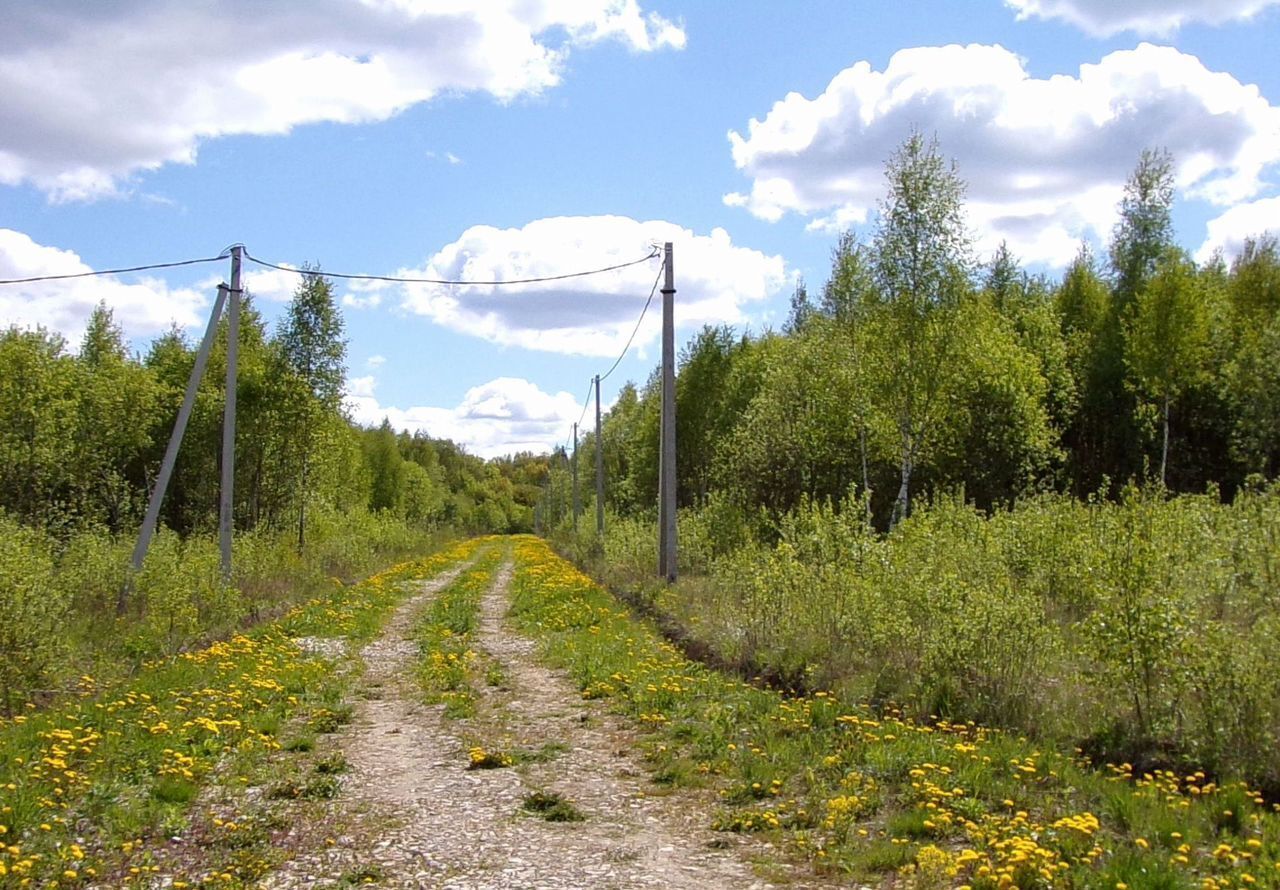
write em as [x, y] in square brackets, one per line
[801, 310]
[1252, 378]
[37, 409]
[386, 468]
[922, 262]
[798, 436]
[851, 288]
[1145, 227]
[312, 344]
[111, 438]
[702, 416]
[1167, 337]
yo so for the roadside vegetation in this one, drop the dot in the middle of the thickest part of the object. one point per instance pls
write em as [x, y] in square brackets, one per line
[877, 793]
[316, 497]
[957, 491]
[104, 786]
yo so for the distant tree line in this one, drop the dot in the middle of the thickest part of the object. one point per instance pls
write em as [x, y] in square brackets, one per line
[82, 434]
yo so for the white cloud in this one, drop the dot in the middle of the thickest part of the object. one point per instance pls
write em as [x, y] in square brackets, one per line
[91, 93]
[503, 416]
[147, 306]
[715, 281]
[1228, 231]
[1045, 159]
[1155, 18]
[376, 361]
[274, 285]
[364, 294]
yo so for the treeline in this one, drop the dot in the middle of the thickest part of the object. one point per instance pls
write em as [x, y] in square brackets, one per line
[82, 434]
[918, 369]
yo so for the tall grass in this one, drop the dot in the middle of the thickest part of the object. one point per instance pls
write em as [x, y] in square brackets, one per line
[58, 621]
[1145, 631]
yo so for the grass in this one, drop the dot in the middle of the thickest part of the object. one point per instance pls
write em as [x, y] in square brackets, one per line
[551, 806]
[92, 788]
[449, 666]
[1141, 630]
[873, 792]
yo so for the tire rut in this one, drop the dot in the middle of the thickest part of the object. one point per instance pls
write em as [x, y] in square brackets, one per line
[428, 821]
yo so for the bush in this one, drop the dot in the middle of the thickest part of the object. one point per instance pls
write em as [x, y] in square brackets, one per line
[1145, 629]
[32, 611]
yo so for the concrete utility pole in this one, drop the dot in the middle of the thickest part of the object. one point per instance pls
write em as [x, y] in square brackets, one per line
[577, 501]
[667, 460]
[599, 467]
[226, 504]
[171, 451]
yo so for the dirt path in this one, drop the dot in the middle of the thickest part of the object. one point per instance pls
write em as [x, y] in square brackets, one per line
[430, 822]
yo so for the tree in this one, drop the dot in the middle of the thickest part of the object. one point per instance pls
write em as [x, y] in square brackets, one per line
[103, 339]
[386, 468]
[702, 420]
[798, 436]
[1253, 369]
[851, 288]
[312, 345]
[1167, 337]
[801, 310]
[1145, 227]
[110, 439]
[1004, 278]
[922, 260]
[37, 408]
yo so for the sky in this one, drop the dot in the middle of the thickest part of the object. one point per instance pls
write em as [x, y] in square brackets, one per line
[511, 139]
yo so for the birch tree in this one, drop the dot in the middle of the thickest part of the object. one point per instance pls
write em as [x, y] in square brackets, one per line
[922, 259]
[1167, 337]
[311, 341]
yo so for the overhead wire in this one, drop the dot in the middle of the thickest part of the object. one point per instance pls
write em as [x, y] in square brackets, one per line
[590, 384]
[636, 329]
[400, 279]
[145, 268]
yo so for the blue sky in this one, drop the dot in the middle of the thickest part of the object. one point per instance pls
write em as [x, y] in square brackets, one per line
[510, 139]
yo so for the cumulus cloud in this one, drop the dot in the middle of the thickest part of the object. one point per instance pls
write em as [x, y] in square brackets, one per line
[716, 280]
[1045, 159]
[503, 416]
[91, 93]
[146, 306]
[1229, 231]
[1156, 18]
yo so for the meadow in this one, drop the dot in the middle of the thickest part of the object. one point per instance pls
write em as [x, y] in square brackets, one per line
[97, 788]
[878, 794]
[1142, 631]
[58, 609]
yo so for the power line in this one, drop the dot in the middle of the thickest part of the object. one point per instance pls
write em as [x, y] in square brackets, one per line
[586, 402]
[634, 330]
[212, 259]
[406, 280]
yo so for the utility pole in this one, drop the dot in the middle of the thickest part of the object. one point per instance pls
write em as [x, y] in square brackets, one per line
[171, 451]
[577, 501]
[599, 467]
[667, 460]
[226, 506]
